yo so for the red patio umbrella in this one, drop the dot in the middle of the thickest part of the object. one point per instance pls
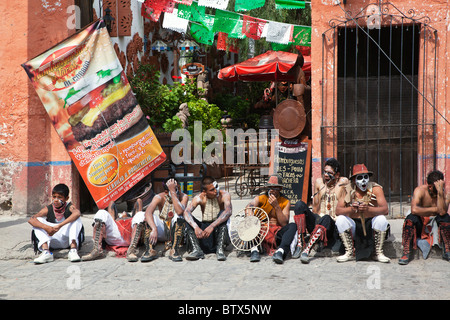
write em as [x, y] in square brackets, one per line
[307, 67]
[269, 66]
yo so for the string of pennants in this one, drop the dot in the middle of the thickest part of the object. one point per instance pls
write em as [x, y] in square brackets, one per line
[230, 26]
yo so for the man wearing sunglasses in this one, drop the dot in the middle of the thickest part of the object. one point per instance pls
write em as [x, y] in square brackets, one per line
[361, 220]
[320, 222]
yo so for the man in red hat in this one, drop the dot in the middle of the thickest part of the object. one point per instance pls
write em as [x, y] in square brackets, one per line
[281, 233]
[361, 220]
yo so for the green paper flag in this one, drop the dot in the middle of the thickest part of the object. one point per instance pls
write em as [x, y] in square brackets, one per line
[301, 36]
[202, 34]
[225, 21]
[244, 5]
[280, 46]
[184, 11]
[289, 4]
[207, 21]
[236, 33]
[194, 12]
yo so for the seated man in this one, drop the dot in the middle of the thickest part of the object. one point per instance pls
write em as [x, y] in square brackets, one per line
[57, 226]
[116, 230]
[281, 233]
[320, 223]
[429, 206]
[167, 226]
[361, 220]
[208, 235]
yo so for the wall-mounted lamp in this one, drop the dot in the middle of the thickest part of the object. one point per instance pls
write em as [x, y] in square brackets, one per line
[188, 45]
[159, 46]
[108, 19]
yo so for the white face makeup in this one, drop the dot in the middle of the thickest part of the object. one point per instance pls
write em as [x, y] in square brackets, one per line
[361, 181]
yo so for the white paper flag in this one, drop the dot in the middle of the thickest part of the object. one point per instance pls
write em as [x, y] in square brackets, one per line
[218, 4]
[279, 32]
[173, 22]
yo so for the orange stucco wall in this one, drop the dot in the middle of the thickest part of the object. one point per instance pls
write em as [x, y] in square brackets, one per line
[32, 157]
[325, 10]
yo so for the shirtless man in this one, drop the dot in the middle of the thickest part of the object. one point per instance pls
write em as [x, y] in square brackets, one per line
[429, 205]
[216, 210]
[169, 225]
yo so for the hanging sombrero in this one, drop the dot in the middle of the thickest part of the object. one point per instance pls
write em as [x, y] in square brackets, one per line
[248, 228]
[289, 118]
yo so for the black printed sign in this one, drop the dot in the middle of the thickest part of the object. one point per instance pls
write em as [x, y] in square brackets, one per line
[291, 163]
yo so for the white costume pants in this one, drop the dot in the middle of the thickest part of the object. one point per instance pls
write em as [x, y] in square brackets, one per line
[113, 236]
[61, 239]
[160, 226]
[343, 223]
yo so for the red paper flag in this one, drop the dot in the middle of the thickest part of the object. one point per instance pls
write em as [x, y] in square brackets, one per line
[253, 27]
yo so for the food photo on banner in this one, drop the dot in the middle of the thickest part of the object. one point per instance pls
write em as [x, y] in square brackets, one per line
[86, 94]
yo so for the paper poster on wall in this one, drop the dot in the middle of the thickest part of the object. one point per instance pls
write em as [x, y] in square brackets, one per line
[86, 93]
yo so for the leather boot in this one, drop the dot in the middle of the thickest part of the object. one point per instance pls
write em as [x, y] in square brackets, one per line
[135, 236]
[221, 233]
[150, 254]
[197, 252]
[177, 238]
[408, 241]
[318, 233]
[379, 237]
[444, 233]
[347, 240]
[299, 220]
[99, 233]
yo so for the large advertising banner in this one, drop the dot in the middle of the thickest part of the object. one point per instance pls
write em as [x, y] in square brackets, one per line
[85, 91]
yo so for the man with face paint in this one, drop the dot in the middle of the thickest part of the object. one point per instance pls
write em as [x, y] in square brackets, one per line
[320, 222]
[57, 226]
[429, 208]
[167, 226]
[281, 235]
[361, 220]
[210, 234]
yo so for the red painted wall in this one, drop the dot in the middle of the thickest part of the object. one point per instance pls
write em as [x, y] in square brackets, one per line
[322, 12]
[32, 157]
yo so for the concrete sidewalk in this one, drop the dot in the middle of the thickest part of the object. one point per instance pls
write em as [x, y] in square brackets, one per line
[226, 282]
[15, 236]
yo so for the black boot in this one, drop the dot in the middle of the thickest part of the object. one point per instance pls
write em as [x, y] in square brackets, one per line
[150, 254]
[177, 238]
[197, 252]
[408, 241]
[221, 233]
